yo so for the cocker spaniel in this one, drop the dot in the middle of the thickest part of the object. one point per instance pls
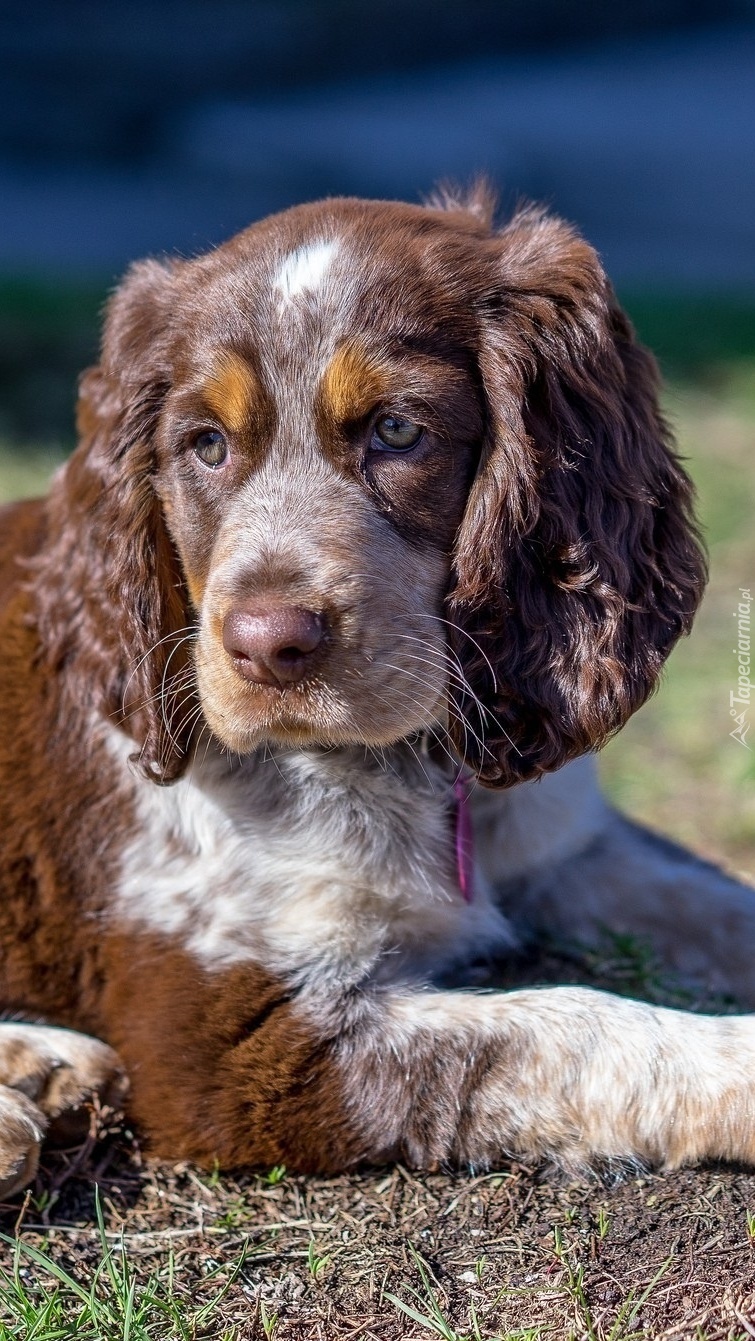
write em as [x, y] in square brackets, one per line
[374, 525]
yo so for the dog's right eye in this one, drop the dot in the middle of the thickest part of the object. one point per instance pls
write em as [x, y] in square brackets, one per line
[211, 448]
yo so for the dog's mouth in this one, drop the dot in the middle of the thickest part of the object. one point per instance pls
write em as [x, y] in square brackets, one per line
[344, 699]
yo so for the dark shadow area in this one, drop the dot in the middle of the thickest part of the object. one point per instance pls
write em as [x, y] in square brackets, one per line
[144, 128]
[107, 84]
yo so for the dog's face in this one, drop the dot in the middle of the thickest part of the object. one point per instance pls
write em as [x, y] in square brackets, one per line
[314, 454]
[370, 468]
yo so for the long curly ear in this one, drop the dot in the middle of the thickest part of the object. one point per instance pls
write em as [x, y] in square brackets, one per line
[578, 564]
[109, 590]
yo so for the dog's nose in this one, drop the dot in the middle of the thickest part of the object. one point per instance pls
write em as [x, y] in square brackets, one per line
[273, 646]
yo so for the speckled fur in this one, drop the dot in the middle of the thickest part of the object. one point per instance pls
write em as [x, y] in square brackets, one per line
[249, 890]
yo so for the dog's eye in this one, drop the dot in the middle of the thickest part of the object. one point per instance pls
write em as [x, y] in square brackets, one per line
[395, 434]
[211, 448]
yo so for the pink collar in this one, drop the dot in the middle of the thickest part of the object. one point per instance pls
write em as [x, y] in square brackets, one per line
[464, 839]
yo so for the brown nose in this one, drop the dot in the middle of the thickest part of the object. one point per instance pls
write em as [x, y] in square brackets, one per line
[273, 646]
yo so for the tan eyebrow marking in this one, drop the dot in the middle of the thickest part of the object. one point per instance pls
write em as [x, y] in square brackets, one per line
[352, 383]
[233, 392]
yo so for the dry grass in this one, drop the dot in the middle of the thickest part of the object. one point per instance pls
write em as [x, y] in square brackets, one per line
[511, 1254]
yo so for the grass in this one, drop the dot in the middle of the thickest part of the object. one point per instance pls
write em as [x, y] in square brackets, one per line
[25, 471]
[131, 1249]
[116, 1302]
[495, 1258]
[41, 1298]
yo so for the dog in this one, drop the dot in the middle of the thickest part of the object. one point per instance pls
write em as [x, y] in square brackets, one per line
[373, 535]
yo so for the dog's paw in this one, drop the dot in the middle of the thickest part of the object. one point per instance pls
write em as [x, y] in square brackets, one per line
[22, 1128]
[60, 1071]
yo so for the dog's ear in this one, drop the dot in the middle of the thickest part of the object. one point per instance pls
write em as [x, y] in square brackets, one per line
[109, 589]
[578, 564]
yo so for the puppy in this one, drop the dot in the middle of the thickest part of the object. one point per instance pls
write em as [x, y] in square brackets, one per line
[373, 510]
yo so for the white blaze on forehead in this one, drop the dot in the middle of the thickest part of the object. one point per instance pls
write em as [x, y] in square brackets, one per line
[303, 270]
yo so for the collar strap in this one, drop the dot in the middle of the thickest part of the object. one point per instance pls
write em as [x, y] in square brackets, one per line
[464, 839]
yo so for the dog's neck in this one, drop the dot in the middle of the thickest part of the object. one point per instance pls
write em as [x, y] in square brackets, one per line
[323, 863]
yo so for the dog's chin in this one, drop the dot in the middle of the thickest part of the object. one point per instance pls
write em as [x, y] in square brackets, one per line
[285, 718]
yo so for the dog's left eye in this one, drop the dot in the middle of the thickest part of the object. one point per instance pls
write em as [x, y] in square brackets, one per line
[394, 434]
[211, 448]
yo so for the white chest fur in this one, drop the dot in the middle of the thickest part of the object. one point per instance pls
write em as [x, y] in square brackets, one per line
[314, 863]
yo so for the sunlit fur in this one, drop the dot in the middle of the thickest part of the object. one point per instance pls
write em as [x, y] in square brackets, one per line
[252, 888]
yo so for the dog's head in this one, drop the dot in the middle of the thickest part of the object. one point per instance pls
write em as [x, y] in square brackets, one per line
[369, 469]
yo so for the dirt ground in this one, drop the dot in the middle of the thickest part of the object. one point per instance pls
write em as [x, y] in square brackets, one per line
[518, 1253]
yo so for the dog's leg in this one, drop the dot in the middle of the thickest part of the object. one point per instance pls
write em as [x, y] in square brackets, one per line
[247, 1071]
[565, 864]
[568, 1073]
[46, 1077]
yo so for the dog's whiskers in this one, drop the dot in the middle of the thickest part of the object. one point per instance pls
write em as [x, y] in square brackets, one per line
[185, 634]
[446, 662]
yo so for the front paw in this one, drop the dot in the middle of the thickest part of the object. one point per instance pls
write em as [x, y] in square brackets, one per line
[60, 1071]
[22, 1128]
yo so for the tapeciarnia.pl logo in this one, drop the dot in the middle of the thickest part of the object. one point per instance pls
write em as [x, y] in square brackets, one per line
[740, 700]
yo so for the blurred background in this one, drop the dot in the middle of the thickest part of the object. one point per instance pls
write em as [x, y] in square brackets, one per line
[165, 125]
